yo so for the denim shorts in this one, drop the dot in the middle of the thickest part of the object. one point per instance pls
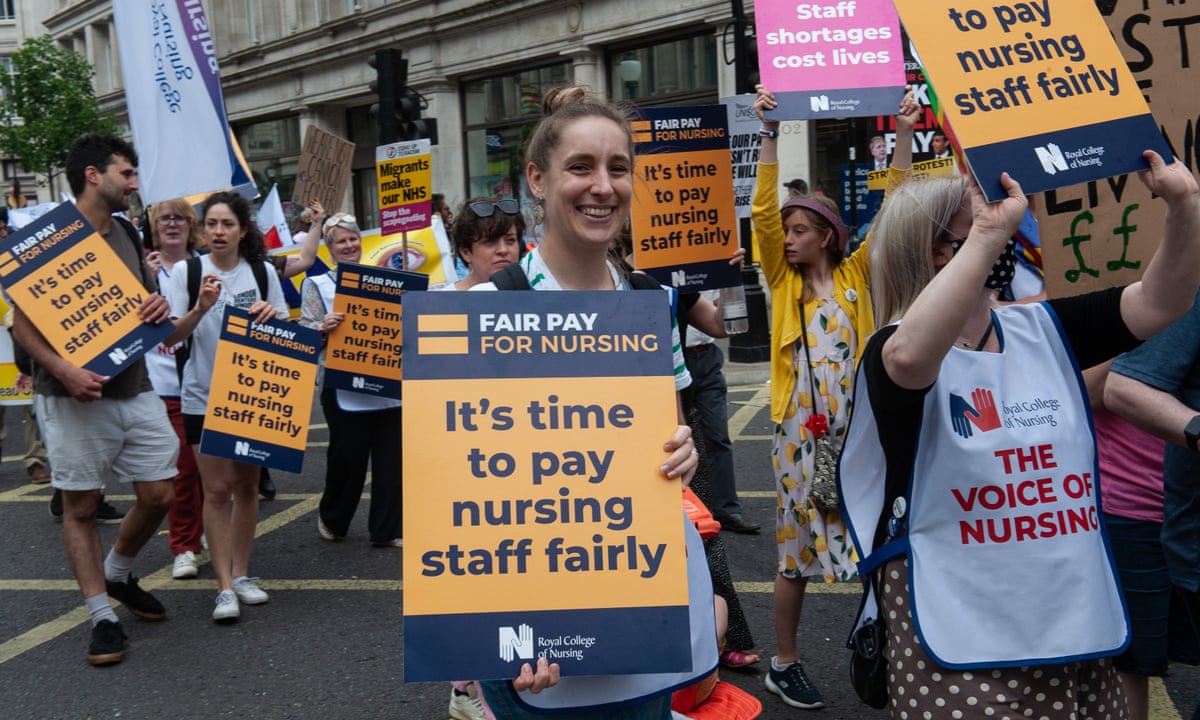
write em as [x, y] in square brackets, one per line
[1160, 625]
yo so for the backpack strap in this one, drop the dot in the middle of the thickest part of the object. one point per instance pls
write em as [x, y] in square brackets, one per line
[184, 351]
[511, 277]
[642, 281]
[260, 276]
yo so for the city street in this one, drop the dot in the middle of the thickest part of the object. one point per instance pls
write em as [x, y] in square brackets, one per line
[328, 645]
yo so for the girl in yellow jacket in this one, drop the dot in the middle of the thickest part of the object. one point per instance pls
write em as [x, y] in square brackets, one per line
[821, 316]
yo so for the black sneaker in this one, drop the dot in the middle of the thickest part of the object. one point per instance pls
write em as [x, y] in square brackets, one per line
[56, 506]
[266, 487]
[794, 687]
[108, 643]
[107, 514]
[139, 602]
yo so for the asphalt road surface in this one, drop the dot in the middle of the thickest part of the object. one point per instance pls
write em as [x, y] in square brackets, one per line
[329, 644]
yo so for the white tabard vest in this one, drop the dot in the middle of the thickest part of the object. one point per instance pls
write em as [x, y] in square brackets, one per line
[160, 360]
[347, 400]
[1008, 560]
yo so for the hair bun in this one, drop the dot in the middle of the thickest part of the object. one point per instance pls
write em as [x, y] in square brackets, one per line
[558, 97]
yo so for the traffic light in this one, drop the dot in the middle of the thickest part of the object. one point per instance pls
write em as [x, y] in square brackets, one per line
[412, 125]
[749, 63]
[398, 108]
[391, 87]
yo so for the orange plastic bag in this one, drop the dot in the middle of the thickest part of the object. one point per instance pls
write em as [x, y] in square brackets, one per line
[700, 515]
[726, 702]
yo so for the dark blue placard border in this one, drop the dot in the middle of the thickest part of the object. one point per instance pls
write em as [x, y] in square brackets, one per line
[711, 117]
[808, 104]
[275, 456]
[629, 641]
[638, 312]
[302, 336]
[1123, 142]
[716, 274]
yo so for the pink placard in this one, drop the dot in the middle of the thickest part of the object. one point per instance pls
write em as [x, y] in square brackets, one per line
[829, 46]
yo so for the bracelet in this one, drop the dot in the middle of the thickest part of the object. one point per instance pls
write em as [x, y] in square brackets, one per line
[763, 132]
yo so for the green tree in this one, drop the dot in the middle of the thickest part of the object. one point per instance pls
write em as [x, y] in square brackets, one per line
[48, 102]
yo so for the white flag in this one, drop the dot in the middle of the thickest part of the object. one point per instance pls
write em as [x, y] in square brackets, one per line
[272, 223]
[173, 92]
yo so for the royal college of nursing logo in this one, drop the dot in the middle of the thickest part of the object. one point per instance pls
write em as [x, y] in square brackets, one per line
[979, 414]
[516, 643]
[1051, 158]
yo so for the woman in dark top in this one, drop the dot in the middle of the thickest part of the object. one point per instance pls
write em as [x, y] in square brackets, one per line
[997, 588]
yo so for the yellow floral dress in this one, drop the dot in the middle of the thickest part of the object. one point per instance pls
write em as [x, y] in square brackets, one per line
[811, 542]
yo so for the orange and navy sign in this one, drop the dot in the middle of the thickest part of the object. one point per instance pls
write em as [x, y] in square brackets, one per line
[78, 293]
[364, 350]
[261, 397]
[541, 521]
[1038, 89]
[685, 226]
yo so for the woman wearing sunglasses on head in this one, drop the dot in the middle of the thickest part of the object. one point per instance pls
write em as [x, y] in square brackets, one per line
[487, 237]
[362, 428]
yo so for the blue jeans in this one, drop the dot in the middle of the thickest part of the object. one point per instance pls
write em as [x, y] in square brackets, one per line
[505, 707]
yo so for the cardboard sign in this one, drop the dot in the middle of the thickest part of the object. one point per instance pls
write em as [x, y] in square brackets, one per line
[685, 229]
[363, 354]
[1037, 89]
[1103, 233]
[324, 170]
[78, 292]
[261, 394]
[405, 180]
[541, 525]
[830, 60]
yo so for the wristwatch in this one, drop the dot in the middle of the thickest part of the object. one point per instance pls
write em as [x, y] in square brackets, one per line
[1191, 433]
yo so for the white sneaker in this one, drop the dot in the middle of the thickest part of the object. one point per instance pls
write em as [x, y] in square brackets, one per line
[324, 531]
[226, 607]
[249, 592]
[185, 565]
[466, 707]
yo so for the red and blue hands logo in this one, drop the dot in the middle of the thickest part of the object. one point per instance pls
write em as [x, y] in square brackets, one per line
[980, 412]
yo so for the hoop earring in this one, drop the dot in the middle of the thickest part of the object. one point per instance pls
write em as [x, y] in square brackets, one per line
[539, 209]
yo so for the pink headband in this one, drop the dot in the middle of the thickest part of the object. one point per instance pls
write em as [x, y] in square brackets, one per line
[843, 232]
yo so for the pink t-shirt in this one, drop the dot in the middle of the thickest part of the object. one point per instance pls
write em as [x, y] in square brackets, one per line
[1131, 469]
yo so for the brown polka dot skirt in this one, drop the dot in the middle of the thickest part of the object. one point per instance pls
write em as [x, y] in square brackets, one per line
[920, 689]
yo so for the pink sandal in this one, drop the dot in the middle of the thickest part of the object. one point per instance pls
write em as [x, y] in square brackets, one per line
[738, 659]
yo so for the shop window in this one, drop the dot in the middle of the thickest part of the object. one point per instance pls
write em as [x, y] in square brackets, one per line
[678, 72]
[272, 149]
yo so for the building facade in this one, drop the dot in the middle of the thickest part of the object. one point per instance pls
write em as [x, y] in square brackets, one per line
[481, 65]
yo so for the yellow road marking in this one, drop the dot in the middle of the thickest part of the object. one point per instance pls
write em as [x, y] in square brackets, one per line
[740, 419]
[158, 580]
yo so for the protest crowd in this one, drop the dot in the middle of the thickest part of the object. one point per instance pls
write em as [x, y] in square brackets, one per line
[910, 438]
